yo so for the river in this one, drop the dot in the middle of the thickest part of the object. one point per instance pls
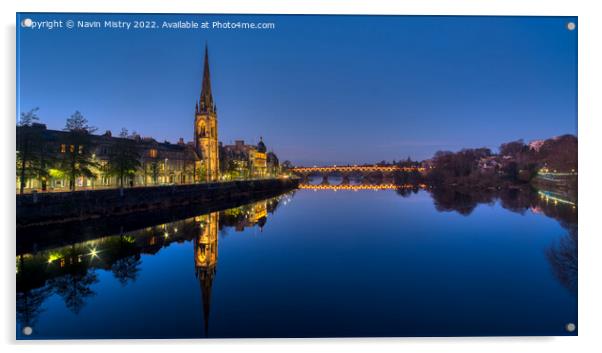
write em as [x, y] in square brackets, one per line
[317, 263]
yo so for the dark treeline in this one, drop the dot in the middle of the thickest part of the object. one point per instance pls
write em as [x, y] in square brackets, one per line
[516, 162]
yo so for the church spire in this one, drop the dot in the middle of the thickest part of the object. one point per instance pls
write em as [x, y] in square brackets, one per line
[206, 104]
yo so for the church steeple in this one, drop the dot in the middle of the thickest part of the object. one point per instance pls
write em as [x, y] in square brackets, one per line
[205, 127]
[206, 104]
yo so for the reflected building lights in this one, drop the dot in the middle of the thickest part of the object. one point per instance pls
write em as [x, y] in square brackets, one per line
[38, 271]
[78, 260]
[205, 260]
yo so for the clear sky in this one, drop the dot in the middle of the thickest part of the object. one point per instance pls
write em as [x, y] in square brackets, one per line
[319, 89]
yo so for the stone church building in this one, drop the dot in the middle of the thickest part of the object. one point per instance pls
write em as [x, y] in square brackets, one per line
[161, 162]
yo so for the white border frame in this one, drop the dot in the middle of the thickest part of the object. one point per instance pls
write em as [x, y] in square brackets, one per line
[590, 59]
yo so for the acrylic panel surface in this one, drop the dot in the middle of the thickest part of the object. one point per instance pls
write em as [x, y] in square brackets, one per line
[433, 164]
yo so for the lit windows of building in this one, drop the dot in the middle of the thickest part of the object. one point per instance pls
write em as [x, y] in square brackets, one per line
[195, 161]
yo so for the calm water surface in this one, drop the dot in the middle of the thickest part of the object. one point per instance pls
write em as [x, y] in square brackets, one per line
[317, 263]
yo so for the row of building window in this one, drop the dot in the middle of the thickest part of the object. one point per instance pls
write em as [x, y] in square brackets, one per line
[80, 148]
[104, 151]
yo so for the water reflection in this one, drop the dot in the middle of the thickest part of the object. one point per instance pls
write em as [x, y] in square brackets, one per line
[70, 271]
[205, 260]
[559, 206]
[519, 200]
[563, 258]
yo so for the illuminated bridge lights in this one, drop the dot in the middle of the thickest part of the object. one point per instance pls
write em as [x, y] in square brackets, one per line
[359, 187]
[365, 169]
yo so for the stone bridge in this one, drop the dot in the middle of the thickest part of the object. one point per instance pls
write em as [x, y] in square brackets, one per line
[346, 172]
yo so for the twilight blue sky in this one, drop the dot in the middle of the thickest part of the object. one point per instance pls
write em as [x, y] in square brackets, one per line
[319, 89]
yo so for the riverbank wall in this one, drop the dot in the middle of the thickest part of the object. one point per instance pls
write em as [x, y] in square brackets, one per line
[35, 210]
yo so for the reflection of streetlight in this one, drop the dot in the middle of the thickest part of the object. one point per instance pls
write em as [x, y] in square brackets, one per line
[93, 252]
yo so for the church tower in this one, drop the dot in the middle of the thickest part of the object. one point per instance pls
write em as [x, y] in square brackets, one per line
[205, 127]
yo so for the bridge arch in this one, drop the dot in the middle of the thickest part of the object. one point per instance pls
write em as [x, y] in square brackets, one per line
[348, 175]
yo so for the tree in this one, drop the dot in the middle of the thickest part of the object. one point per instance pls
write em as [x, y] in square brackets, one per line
[563, 257]
[29, 305]
[189, 170]
[559, 153]
[45, 158]
[453, 167]
[126, 269]
[29, 137]
[154, 169]
[231, 169]
[511, 170]
[286, 165]
[74, 284]
[124, 158]
[273, 164]
[77, 160]
[32, 290]
[75, 287]
[406, 163]
[203, 172]
[77, 122]
[513, 149]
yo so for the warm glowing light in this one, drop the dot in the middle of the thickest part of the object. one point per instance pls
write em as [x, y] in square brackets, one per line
[93, 252]
[351, 187]
[354, 168]
[53, 257]
[55, 173]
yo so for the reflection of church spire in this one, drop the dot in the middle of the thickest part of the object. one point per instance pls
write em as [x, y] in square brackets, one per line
[205, 260]
[206, 276]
